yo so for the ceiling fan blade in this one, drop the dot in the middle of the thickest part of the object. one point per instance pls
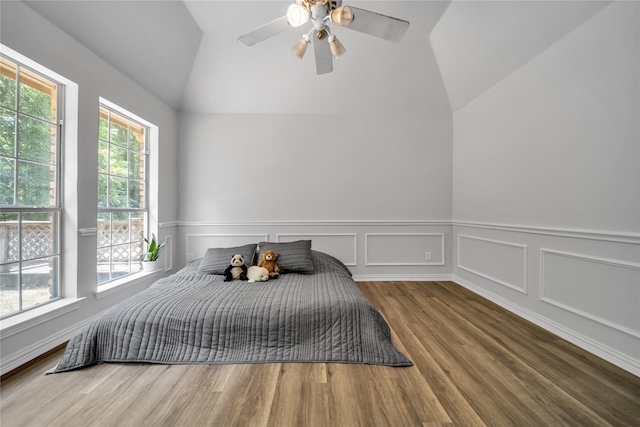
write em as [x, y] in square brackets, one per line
[266, 31]
[375, 24]
[324, 60]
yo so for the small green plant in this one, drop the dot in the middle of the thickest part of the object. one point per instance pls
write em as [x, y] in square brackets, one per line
[153, 249]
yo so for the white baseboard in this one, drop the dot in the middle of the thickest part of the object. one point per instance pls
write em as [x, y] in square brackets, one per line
[39, 348]
[605, 352]
[402, 277]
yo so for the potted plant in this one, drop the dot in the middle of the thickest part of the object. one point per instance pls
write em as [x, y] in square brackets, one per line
[150, 258]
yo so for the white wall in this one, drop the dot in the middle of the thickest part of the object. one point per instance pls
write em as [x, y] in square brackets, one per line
[269, 174]
[546, 188]
[311, 167]
[29, 34]
[542, 184]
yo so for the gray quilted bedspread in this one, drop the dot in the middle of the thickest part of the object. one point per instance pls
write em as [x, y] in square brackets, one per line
[191, 318]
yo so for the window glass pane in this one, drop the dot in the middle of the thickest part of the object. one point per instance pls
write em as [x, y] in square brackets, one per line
[136, 142]
[118, 161]
[137, 250]
[117, 192]
[118, 130]
[36, 184]
[39, 281]
[7, 132]
[9, 289]
[37, 96]
[7, 83]
[136, 194]
[29, 176]
[120, 227]
[36, 140]
[103, 157]
[7, 180]
[38, 234]
[137, 227]
[121, 184]
[104, 229]
[104, 125]
[120, 261]
[136, 165]
[102, 191]
[9, 243]
[104, 265]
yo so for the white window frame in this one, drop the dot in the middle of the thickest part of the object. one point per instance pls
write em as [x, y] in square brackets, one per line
[152, 170]
[68, 232]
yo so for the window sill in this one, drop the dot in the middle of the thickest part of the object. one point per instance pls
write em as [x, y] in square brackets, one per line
[124, 283]
[31, 318]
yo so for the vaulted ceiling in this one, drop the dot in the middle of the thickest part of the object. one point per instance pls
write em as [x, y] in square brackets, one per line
[186, 52]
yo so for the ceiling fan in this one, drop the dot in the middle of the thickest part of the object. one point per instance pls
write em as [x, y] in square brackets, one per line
[320, 13]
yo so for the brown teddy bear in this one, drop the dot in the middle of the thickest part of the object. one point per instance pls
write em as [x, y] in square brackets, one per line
[269, 262]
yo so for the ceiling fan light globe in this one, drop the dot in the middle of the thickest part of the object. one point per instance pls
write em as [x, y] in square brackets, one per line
[297, 15]
[337, 49]
[342, 16]
[300, 48]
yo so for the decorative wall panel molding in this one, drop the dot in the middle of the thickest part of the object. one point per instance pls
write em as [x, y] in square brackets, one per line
[501, 262]
[602, 290]
[168, 224]
[605, 236]
[197, 244]
[343, 246]
[404, 249]
[394, 246]
[292, 223]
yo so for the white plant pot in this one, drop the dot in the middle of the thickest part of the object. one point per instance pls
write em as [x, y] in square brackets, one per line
[150, 265]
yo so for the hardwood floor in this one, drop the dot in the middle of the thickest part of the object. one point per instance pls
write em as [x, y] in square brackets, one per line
[475, 365]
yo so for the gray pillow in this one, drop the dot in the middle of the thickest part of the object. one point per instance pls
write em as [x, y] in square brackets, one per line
[216, 260]
[293, 257]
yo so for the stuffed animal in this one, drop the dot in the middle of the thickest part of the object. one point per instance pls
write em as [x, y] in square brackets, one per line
[257, 274]
[236, 269]
[269, 262]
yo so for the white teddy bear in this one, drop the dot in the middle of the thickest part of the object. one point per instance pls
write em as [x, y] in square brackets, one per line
[257, 274]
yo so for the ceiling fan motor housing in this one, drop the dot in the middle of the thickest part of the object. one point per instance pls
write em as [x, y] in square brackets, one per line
[329, 4]
[318, 14]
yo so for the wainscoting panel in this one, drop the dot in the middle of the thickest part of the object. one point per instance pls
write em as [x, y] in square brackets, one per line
[603, 290]
[585, 287]
[343, 246]
[404, 249]
[504, 263]
[373, 250]
[197, 244]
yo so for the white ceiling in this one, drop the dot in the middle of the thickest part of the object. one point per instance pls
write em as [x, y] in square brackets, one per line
[478, 43]
[373, 76]
[153, 42]
[187, 54]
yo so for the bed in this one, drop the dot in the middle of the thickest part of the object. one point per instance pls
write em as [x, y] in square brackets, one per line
[313, 312]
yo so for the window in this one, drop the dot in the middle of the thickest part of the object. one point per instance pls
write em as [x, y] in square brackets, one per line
[123, 207]
[30, 193]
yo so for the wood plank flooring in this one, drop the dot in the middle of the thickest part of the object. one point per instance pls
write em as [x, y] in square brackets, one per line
[475, 365]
